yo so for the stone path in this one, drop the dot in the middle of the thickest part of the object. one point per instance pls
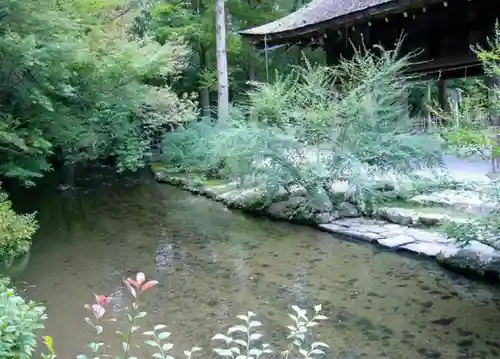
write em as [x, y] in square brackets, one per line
[393, 236]
[476, 257]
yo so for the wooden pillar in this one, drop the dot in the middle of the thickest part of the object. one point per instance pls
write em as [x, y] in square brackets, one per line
[329, 48]
[494, 101]
[442, 94]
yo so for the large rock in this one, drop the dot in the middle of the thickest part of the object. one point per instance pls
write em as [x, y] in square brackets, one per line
[476, 258]
[347, 210]
[252, 199]
[402, 216]
[412, 217]
[431, 219]
[292, 208]
[324, 217]
[320, 201]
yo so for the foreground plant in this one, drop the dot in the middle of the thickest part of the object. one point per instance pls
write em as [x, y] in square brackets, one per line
[16, 231]
[242, 341]
[19, 320]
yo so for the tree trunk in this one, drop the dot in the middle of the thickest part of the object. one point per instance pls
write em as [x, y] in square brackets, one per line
[494, 92]
[220, 28]
[252, 76]
[204, 92]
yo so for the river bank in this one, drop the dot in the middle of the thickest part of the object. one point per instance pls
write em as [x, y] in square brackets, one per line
[394, 228]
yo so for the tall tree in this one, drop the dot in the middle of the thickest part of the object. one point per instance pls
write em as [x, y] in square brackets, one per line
[223, 88]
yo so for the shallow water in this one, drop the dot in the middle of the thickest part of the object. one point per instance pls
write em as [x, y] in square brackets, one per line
[213, 263]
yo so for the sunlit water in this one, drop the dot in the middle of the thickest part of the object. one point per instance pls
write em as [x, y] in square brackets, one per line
[213, 263]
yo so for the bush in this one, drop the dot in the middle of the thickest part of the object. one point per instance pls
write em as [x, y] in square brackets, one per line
[18, 322]
[316, 127]
[469, 132]
[484, 229]
[73, 82]
[16, 231]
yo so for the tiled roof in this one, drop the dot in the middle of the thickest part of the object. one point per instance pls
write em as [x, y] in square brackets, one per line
[317, 11]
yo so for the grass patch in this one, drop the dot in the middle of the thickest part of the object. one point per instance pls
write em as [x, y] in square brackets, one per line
[215, 182]
[427, 209]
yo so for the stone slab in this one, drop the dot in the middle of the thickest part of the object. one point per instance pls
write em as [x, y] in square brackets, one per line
[396, 240]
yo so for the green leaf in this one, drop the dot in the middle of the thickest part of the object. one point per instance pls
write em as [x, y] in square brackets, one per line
[141, 315]
[237, 328]
[167, 347]
[255, 324]
[163, 335]
[240, 342]
[224, 352]
[255, 336]
[151, 343]
[223, 337]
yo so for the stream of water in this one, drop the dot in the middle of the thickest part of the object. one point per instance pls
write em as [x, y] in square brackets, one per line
[213, 263]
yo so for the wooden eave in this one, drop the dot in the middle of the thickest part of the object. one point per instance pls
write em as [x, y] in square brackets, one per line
[391, 7]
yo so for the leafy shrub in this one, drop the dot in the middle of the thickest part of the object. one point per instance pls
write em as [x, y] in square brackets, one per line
[73, 82]
[484, 229]
[18, 322]
[315, 127]
[468, 131]
[15, 231]
[240, 341]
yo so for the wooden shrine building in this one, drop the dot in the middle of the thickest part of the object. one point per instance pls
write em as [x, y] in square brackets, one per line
[442, 30]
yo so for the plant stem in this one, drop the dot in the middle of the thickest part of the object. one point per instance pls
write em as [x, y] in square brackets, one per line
[129, 335]
[159, 346]
[95, 349]
[290, 346]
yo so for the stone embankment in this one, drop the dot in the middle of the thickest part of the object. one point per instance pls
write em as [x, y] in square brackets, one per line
[395, 227]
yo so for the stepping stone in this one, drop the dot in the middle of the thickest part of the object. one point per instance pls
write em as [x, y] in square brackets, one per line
[394, 241]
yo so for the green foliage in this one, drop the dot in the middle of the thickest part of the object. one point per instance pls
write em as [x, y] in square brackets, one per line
[471, 130]
[468, 131]
[484, 229]
[195, 22]
[73, 82]
[16, 231]
[18, 322]
[240, 341]
[313, 128]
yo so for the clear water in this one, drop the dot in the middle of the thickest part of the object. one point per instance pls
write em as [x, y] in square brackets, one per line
[213, 263]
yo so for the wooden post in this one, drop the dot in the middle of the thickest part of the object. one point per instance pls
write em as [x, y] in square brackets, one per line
[494, 101]
[442, 96]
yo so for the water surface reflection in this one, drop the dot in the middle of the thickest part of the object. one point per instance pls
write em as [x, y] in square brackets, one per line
[213, 263]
